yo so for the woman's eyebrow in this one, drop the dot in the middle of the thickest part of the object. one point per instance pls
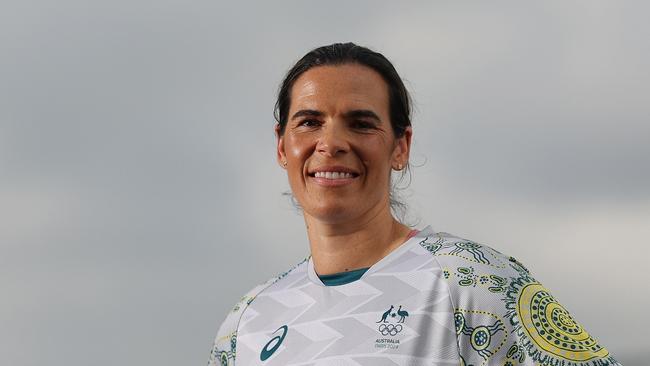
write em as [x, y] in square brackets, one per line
[307, 112]
[362, 113]
[356, 113]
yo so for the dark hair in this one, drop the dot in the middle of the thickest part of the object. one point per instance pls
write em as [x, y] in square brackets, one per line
[399, 101]
[349, 53]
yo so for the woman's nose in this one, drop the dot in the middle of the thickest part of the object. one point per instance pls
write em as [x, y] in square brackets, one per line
[333, 140]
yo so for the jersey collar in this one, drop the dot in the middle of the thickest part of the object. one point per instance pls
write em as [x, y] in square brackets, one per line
[427, 231]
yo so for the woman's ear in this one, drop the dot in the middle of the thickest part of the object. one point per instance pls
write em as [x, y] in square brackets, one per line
[280, 155]
[403, 147]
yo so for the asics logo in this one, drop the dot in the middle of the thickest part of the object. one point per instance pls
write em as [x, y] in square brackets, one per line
[274, 343]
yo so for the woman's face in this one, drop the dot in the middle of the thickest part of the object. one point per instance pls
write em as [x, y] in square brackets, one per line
[338, 145]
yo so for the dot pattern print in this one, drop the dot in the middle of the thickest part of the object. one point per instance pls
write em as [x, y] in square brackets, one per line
[548, 331]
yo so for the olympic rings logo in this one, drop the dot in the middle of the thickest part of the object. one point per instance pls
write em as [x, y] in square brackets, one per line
[390, 329]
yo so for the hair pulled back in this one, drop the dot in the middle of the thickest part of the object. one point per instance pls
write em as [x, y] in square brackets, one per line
[349, 53]
[399, 100]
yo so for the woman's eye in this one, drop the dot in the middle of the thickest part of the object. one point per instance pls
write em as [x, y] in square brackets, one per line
[362, 124]
[309, 123]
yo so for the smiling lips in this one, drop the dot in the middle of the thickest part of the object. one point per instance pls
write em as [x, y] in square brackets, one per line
[333, 176]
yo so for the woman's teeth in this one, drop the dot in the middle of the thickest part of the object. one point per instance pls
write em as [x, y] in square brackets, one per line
[333, 175]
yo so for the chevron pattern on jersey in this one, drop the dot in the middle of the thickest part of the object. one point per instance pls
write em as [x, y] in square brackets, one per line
[399, 315]
[436, 300]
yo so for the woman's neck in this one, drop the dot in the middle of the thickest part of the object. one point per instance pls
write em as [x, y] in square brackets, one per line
[348, 246]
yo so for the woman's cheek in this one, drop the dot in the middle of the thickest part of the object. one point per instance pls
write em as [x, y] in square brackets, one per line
[299, 146]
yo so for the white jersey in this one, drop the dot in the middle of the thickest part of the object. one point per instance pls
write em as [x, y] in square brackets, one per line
[436, 300]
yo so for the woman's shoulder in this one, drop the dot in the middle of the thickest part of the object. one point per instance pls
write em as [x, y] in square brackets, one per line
[250, 296]
[502, 311]
[225, 343]
[451, 251]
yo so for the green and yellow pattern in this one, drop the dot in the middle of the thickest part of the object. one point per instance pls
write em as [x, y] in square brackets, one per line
[547, 330]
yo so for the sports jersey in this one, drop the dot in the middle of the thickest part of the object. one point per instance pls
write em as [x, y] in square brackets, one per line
[435, 300]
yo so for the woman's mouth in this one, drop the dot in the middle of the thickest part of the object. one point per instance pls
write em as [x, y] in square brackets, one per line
[333, 175]
[333, 178]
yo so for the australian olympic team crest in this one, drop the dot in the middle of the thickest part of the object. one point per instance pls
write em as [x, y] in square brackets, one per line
[390, 325]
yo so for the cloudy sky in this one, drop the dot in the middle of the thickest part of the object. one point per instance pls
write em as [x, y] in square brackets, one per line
[140, 198]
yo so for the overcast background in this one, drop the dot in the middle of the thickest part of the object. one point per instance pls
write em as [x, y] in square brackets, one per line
[140, 198]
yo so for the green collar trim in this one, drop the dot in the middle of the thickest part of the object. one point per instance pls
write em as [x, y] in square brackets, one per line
[342, 278]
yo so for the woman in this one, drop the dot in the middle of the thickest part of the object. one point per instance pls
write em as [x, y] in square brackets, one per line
[373, 291]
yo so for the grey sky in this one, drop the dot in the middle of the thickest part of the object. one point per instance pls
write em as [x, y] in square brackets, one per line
[140, 198]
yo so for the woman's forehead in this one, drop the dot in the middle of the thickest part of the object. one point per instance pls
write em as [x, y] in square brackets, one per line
[341, 84]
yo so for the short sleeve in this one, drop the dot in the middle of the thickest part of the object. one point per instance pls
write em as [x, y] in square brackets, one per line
[224, 348]
[543, 331]
[503, 316]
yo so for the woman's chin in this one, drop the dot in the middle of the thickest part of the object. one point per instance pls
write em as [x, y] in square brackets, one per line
[333, 213]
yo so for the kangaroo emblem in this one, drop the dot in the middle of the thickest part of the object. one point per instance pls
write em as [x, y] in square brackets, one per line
[402, 313]
[386, 314]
